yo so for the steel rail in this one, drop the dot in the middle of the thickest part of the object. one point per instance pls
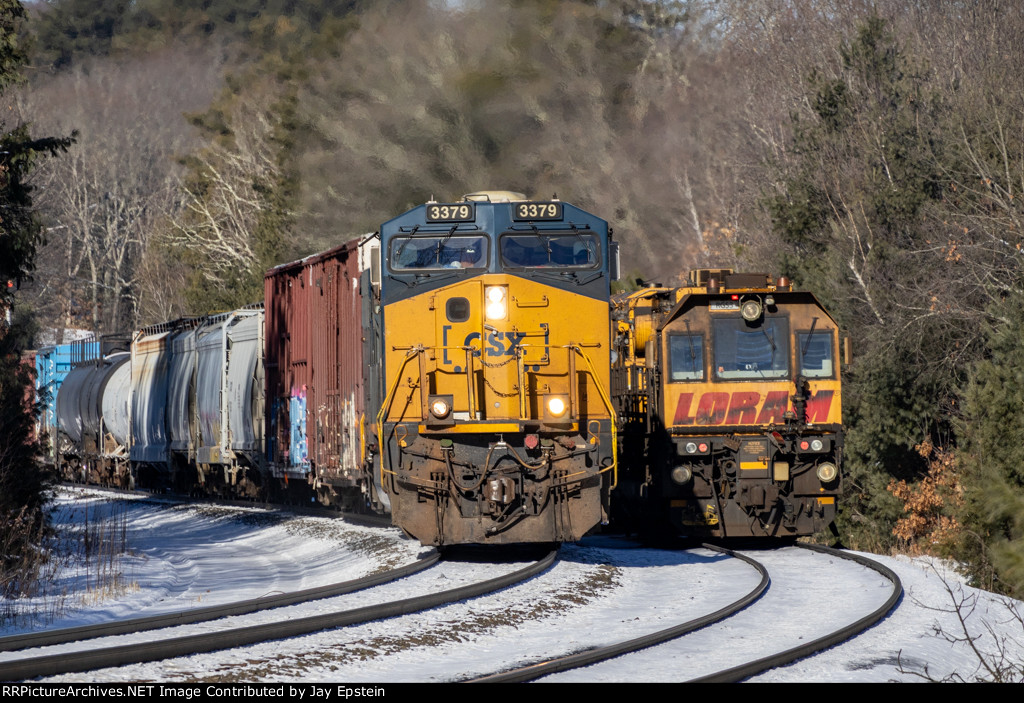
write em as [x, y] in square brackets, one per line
[592, 656]
[187, 617]
[50, 665]
[745, 671]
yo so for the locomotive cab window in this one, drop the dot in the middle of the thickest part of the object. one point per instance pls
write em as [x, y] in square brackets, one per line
[817, 355]
[543, 250]
[438, 252]
[751, 350]
[686, 357]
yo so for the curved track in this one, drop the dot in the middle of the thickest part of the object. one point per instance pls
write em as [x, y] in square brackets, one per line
[193, 615]
[48, 665]
[744, 671]
[592, 656]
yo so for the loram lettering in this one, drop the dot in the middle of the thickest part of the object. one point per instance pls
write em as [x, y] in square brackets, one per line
[746, 408]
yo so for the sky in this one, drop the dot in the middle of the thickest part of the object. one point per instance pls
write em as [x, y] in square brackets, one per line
[601, 590]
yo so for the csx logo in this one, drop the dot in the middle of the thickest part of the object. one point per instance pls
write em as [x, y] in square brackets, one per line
[745, 408]
[496, 343]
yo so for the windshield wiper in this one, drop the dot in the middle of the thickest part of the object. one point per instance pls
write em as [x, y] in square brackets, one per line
[771, 366]
[807, 344]
[405, 243]
[422, 276]
[441, 244]
[584, 242]
[693, 354]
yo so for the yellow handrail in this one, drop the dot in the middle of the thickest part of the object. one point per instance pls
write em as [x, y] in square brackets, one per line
[611, 415]
[386, 405]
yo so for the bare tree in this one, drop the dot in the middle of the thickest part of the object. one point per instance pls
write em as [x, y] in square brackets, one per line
[230, 188]
[118, 185]
[997, 651]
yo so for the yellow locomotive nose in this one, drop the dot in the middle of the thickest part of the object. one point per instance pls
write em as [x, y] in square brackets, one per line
[517, 346]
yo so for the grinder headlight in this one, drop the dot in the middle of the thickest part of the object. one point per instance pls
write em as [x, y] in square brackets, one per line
[750, 309]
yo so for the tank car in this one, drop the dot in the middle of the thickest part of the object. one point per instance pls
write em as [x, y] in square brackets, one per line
[92, 414]
[492, 422]
[730, 398]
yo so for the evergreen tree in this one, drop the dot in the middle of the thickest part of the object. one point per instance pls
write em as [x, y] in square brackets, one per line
[69, 31]
[72, 29]
[992, 458]
[22, 482]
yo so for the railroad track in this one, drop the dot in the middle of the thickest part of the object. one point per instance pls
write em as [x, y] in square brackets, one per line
[18, 642]
[600, 586]
[43, 664]
[592, 656]
[744, 671]
[756, 629]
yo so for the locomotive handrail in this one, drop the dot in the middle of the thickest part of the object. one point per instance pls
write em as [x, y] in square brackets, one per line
[611, 414]
[386, 405]
[470, 350]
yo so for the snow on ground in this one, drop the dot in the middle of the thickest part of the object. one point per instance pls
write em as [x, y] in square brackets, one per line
[600, 591]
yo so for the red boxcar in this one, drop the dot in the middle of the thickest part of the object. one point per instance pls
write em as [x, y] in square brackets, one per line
[314, 373]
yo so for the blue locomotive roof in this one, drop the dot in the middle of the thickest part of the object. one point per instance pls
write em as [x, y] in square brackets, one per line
[469, 226]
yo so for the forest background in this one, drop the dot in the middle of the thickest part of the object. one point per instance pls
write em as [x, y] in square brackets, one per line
[872, 151]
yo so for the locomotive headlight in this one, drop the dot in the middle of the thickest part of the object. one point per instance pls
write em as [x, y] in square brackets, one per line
[827, 472]
[439, 408]
[750, 309]
[557, 407]
[496, 307]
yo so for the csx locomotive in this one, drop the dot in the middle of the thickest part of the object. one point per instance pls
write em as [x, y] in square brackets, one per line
[730, 396]
[495, 424]
[453, 367]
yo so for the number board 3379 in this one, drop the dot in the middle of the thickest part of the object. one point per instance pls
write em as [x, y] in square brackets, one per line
[538, 211]
[451, 212]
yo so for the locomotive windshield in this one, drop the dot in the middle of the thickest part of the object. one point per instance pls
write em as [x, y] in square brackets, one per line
[438, 252]
[751, 350]
[543, 250]
[816, 357]
[686, 357]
